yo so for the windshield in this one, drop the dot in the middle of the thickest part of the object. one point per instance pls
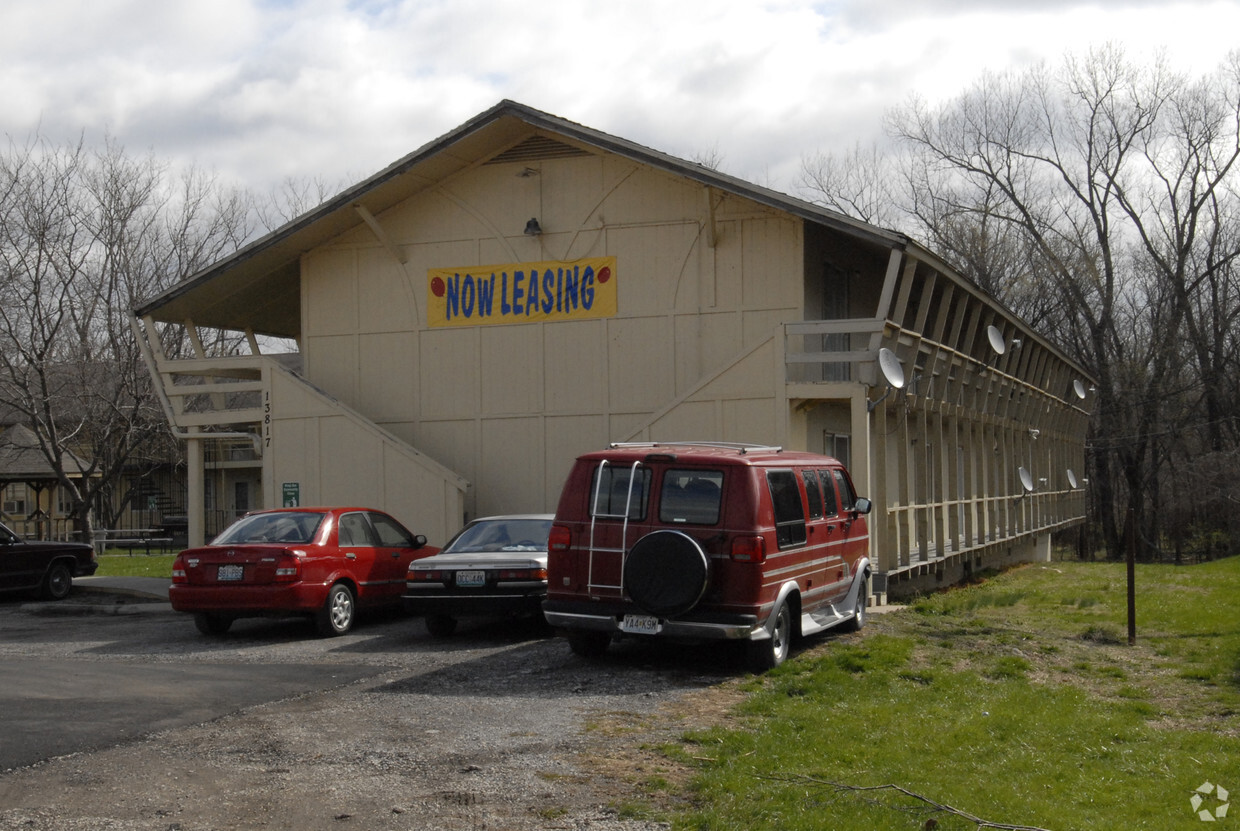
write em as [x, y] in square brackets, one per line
[284, 526]
[502, 535]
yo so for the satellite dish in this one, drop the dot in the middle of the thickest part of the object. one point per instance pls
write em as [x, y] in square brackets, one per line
[889, 365]
[1079, 389]
[1072, 479]
[1026, 480]
[996, 340]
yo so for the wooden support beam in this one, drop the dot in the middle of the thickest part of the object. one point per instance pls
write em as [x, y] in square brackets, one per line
[380, 234]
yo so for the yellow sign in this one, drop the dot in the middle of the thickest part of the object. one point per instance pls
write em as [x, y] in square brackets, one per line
[521, 292]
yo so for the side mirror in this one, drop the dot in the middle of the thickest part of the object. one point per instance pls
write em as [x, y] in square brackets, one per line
[862, 505]
[419, 540]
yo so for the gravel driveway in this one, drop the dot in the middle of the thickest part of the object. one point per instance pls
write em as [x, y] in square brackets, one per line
[500, 727]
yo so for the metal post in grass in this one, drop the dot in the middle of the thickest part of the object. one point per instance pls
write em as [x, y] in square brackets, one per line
[1132, 577]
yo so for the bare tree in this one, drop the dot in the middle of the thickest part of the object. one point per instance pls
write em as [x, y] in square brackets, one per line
[862, 183]
[1114, 183]
[83, 237]
[290, 199]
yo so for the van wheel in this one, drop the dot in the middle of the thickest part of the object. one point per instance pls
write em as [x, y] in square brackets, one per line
[771, 652]
[857, 621]
[588, 644]
[666, 573]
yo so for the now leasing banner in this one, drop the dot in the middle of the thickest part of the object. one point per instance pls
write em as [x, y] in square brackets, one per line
[521, 292]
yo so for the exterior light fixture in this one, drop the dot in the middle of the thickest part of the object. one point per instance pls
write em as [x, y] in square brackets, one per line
[532, 228]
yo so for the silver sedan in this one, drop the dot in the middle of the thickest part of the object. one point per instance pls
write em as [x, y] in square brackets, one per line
[494, 566]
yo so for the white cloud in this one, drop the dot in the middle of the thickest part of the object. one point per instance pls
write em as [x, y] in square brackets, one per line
[263, 89]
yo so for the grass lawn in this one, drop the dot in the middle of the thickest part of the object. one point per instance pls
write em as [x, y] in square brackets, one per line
[122, 564]
[1017, 701]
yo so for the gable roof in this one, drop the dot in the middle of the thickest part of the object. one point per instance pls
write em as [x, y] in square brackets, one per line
[258, 286]
[22, 459]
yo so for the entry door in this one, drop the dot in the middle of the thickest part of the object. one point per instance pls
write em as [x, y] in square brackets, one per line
[835, 307]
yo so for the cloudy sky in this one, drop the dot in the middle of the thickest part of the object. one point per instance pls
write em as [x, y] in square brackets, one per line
[260, 90]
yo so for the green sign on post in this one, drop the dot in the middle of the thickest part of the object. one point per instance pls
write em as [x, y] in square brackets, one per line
[292, 494]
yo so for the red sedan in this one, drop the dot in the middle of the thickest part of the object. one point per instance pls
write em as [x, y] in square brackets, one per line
[324, 563]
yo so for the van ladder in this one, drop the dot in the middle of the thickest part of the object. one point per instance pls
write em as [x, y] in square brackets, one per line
[624, 530]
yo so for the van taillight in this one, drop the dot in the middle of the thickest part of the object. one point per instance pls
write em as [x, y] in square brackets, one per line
[748, 549]
[560, 539]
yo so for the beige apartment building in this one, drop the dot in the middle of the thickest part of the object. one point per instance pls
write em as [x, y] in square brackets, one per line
[455, 329]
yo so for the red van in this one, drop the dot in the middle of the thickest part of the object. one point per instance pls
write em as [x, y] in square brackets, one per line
[707, 540]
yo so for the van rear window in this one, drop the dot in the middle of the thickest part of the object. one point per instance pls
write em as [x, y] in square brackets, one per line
[610, 491]
[691, 496]
[789, 511]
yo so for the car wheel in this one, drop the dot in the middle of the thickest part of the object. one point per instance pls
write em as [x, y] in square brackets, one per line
[336, 615]
[440, 626]
[212, 623]
[857, 621]
[588, 644]
[666, 572]
[57, 582]
[771, 652]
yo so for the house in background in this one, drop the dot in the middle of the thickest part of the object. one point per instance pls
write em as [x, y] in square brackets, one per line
[525, 289]
[146, 500]
[33, 502]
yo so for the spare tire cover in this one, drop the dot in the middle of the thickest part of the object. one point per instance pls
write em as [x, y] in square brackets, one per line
[666, 572]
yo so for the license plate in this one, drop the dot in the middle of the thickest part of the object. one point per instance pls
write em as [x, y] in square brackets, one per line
[471, 578]
[641, 625]
[230, 572]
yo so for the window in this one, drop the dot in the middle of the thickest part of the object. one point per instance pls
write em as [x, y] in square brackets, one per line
[611, 491]
[813, 493]
[839, 446]
[64, 501]
[272, 527]
[789, 512]
[15, 500]
[691, 496]
[828, 492]
[391, 534]
[355, 530]
[848, 497]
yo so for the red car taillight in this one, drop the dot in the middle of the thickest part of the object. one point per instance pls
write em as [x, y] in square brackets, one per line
[178, 571]
[561, 538]
[748, 549]
[288, 569]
